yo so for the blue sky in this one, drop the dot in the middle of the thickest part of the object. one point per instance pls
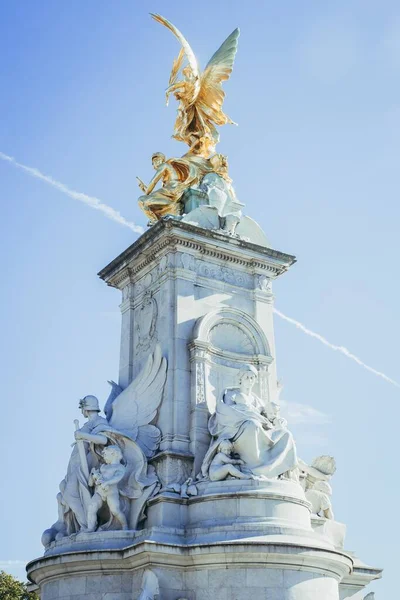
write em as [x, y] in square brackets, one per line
[315, 91]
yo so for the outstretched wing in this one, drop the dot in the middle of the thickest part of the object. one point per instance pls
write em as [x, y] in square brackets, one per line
[115, 391]
[211, 95]
[136, 406]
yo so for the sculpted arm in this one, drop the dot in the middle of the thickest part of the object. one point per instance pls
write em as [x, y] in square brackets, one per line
[231, 461]
[89, 437]
[174, 87]
[116, 478]
[159, 173]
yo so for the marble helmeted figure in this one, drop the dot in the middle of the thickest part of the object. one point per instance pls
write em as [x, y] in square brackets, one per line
[108, 479]
[257, 433]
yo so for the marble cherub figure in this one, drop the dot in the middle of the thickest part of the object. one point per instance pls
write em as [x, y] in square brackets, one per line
[319, 495]
[223, 464]
[105, 481]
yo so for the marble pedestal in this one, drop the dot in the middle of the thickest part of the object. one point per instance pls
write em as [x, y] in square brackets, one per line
[256, 541]
[205, 299]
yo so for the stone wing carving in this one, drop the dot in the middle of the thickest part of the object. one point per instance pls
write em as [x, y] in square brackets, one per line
[115, 391]
[133, 409]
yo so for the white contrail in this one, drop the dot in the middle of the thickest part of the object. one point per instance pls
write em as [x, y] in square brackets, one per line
[91, 201]
[341, 349]
[116, 216]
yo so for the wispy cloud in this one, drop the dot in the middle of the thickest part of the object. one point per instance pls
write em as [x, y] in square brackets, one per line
[340, 349]
[91, 201]
[12, 563]
[303, 414]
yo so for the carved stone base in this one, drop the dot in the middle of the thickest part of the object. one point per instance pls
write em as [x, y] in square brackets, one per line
[172, 467]
[240, 570]
[193, 199]
[235, 540]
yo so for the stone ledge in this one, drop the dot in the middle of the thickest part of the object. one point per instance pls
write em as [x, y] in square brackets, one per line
[240, 554]
[173, 233]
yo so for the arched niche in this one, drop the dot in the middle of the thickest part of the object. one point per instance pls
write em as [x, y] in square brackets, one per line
[223, 341]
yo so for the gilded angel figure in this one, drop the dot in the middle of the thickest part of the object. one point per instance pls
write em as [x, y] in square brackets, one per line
[200, 95]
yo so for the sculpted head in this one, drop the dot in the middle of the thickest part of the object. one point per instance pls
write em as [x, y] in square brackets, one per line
[188, 73]
[112, 454]
[225, 447]
[89, 404]
[219, 162]
[248, 376]
[157, 159]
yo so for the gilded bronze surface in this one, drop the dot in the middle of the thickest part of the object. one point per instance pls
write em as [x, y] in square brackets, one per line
[200, 96]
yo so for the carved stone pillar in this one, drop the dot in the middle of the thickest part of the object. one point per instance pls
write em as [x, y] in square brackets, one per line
[199, 411]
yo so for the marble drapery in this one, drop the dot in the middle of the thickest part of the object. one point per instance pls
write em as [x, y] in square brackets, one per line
[267, 448]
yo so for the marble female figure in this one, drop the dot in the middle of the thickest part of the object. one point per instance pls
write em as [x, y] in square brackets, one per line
[258, 435]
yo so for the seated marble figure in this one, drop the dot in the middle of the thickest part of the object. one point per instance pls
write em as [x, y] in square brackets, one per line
[257, 433]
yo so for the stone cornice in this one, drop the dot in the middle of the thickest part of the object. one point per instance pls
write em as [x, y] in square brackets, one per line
[176, 235]
[241, 553]
[360, 577]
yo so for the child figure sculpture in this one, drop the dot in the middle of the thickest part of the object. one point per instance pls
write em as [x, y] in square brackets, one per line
[106, 481]
[223, 465]
[320, 498]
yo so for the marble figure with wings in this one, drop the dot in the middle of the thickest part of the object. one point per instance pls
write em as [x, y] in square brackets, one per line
[128, 431]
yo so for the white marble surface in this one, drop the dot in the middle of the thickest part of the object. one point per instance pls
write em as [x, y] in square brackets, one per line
[203, 301]
[247, 228]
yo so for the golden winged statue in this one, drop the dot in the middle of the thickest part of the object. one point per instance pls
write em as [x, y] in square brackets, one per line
[200, 95]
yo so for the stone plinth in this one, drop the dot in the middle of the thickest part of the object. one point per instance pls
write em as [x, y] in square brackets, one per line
[232, 540]
[230, 570]
[204, 300]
